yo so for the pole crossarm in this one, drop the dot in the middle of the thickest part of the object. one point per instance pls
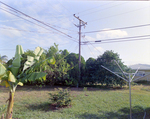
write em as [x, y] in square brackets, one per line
[83, 23]
[114, 73]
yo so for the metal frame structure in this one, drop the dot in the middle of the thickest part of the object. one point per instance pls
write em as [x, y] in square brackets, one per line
[127, 79]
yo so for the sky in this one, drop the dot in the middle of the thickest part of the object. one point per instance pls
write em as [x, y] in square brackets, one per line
[107, 21]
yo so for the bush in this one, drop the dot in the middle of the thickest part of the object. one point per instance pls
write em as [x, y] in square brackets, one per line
[61, 97]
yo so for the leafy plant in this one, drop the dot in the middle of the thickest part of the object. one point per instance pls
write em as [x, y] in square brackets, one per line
[14, 75]
[2, 111]
[61, 97]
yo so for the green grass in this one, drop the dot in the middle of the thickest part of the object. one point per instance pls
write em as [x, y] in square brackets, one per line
[95, 103]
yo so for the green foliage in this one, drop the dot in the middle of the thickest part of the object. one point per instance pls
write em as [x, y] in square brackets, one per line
[61, 97]
[73, 60]
[57, 73]
[95, 74]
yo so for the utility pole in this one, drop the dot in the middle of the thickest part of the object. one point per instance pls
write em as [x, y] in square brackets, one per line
[81, 23]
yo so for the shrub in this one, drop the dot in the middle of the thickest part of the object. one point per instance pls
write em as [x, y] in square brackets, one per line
[61, 97]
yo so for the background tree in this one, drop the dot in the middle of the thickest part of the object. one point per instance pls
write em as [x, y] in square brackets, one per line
[90, 69]
[73, 61]
[107, 60]
[95, 74]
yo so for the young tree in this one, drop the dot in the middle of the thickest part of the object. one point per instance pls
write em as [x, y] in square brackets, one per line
[11, 76]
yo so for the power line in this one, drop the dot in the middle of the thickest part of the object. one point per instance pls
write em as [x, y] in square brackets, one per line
[11, 20]
[7, 28]
[119, 38]
[129, 27]
[35, 19]
[56, 18]
[103, 9]
[118, 14]
[23, 30]
[71, 38]
[90, 49]
[93, 8]
[120, 41]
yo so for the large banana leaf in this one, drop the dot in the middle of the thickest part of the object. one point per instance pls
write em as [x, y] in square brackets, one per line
[11, 77]
[3, 76]
[31, 60]
[2, 70]
[38, 51]
[33, 76]
[5, 83]
[17, 61]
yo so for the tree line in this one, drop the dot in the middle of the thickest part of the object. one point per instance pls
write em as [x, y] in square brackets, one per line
[65, 70]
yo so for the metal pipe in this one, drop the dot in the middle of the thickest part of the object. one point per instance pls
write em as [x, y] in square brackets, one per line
[130, 96]
[135, 74]
[120, 68]
[114, 73]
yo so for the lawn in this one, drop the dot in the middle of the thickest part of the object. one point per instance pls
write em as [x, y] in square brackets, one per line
[95, 103]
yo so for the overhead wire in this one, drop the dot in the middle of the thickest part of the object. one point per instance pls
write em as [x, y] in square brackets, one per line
[89, 48]
[104, 9]
[119, 41]
[64, 8]
[9, 28]
[117, 14]
[94, 47]
[112, 39]
[71, 38]
[35, 19]
[93, 8]
[22, 30]
[128, 27]
[58, 20]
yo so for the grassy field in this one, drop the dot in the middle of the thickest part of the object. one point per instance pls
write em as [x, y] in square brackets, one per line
[95, 103]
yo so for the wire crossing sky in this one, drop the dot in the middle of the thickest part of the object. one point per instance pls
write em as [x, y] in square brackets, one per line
[121, 26]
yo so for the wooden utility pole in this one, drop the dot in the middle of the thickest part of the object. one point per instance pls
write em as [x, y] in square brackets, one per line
[81, 23]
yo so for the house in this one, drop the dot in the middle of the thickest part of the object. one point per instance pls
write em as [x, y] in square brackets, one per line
[144, 69]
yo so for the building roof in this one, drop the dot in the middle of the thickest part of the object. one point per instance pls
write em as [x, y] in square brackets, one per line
[142, 66]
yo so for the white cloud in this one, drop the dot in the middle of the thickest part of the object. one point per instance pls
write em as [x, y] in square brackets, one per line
[57, 7]
[45, 41]
[10, 33]
[111, 34]
[89, 38]
[99, 49]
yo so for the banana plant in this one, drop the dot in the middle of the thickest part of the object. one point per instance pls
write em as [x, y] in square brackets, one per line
[11, 76]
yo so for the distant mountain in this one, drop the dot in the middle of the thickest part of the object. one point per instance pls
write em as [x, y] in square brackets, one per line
[142, 66]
